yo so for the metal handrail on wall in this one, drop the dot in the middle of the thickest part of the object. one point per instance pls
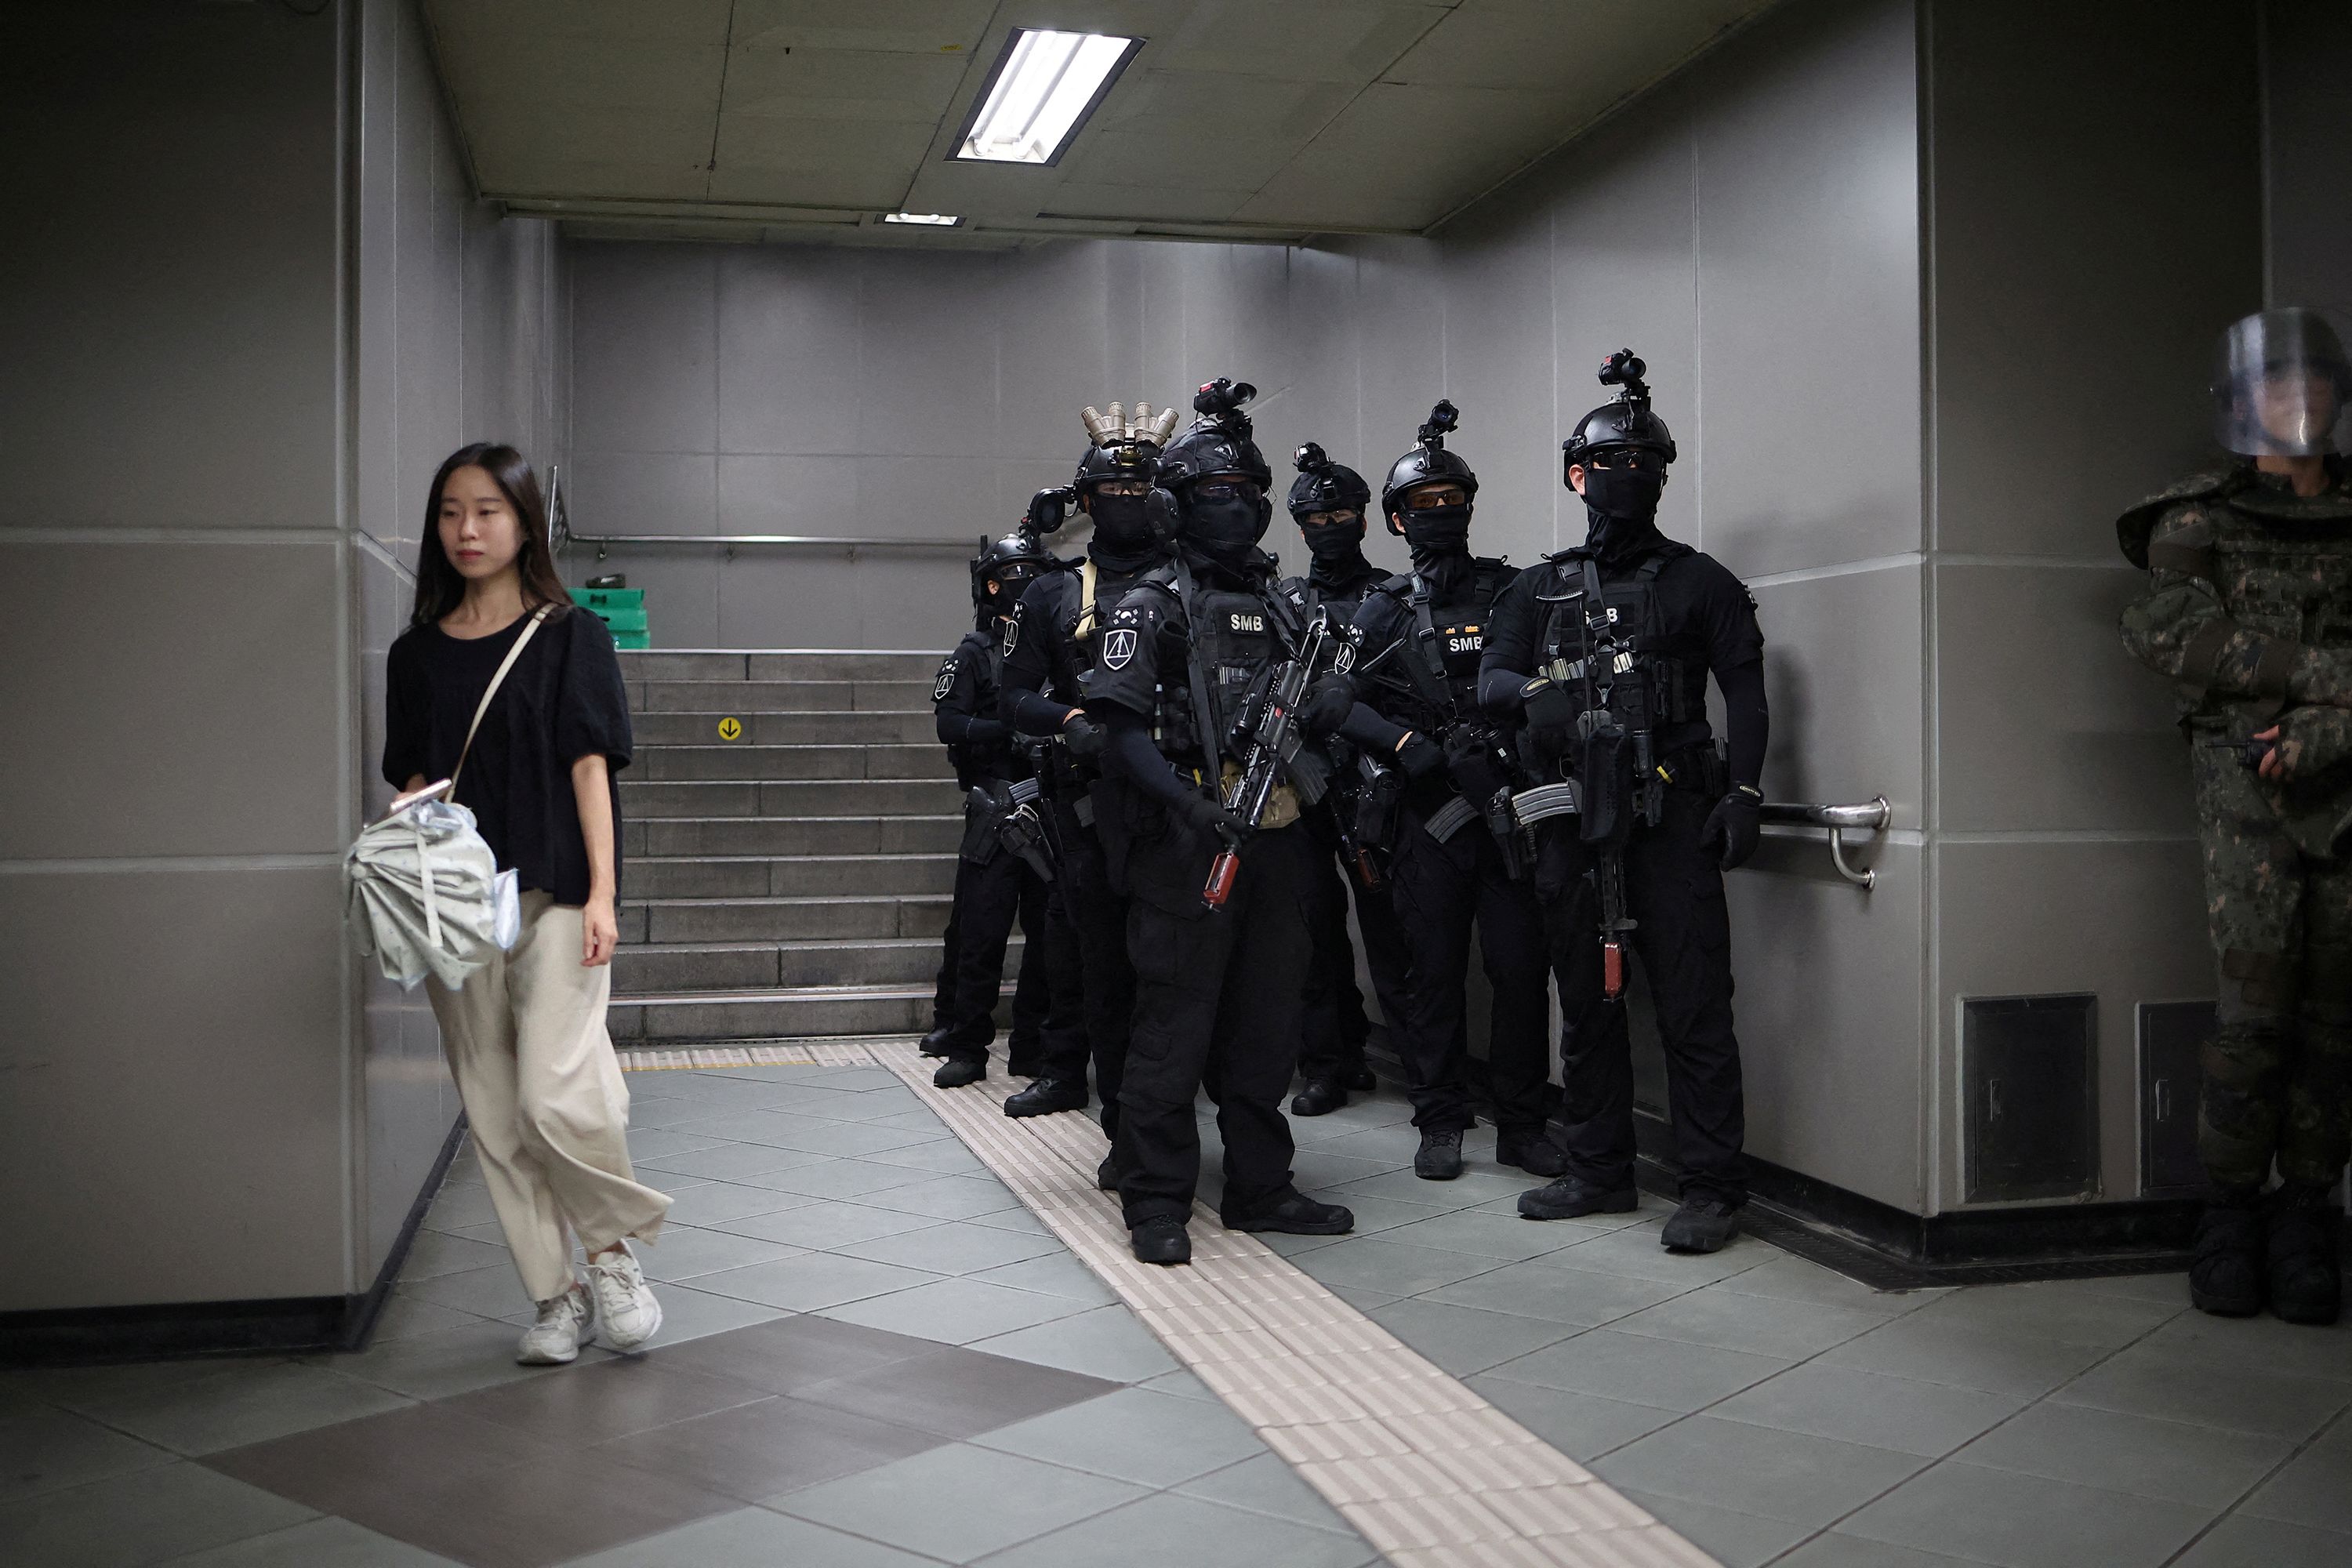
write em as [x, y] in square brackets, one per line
[561, 538]
[1873, 815]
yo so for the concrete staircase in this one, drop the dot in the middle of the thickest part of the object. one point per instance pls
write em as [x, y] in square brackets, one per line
[795, 878]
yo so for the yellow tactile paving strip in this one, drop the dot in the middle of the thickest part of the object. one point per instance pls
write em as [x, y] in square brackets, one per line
[1430, 1473]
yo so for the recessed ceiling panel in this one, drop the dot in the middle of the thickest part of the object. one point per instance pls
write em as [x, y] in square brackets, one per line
[1263, 118]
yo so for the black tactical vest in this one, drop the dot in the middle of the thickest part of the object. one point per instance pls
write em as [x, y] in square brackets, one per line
[1658, 681]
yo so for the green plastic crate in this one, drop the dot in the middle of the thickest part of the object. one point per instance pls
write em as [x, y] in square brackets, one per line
[633, 640]
[622, 619]
[602, 599]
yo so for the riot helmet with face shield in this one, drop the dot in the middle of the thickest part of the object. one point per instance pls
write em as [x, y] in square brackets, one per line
[2283, 386]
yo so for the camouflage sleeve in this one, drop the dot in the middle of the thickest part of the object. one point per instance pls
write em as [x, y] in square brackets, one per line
[2180, 629]
[2314, 743]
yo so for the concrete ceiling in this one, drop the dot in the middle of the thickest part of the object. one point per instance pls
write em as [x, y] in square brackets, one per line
[1269, 120]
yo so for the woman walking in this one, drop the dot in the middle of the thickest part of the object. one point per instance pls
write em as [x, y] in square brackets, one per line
[525, 1036]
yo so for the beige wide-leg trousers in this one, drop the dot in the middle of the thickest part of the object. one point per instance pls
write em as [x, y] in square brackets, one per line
[544, 1098]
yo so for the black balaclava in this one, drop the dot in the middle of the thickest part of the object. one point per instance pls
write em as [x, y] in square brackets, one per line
[1621, 509]
[1123, 541]
[1439, 539]
[1223, 533]
[1337, 551]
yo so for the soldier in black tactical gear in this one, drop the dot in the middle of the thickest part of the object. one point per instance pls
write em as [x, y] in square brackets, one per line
[1217, 929]
[1456, 855]
[1048, 645]
[995, 882]
[1328, 501]
[1603, 652]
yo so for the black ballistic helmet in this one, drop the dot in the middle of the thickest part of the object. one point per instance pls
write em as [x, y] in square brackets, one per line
[1624, 422]
[1219, 442]
[1323, 485]
[1009, 561]
[1136, 459]
[1429, 462]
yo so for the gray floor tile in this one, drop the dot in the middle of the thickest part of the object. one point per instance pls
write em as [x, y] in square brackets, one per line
[1466, 1191]
[320, 1544]
[1536, 1288]
[690, 1314]
[490, 1292]
[1182, 1383]
[1854, 1407]
[811, 1280]
[1754, 1469]
[718, 1205]
[789, 1353]
[954, 1312]
[942, 1156]
[750, 1538]
[767, 1448]
[2248, 1541]
[1055, 1273]
[1317, 1166]
[1933, 1353]
[479, 1354]
[850, 1080]
[434, 1252]
[1634, 1250]
[1377, 1216]
[2025, 1522]
[243, 1406]
[1464, 1340]
[1151, 1439]
[1641, 1370]
[2053, 1310]
[826, 1177]
[1760, 1324]
[947, 1197]
[1732, 1539]
[2260, 1344]
[2149, 1381]
[973, 1501]
[1582, 1426]
[821, 1136]
[454, 1208]
[1379, 1264]
[1380, 1148]
[1102, 1342]
[2315, 1490]
[871, 1105]
[955, 1391]
[956, 1247]
[404, 1316]
[2171, 1459]
[46, 1450]
[2162, 1287]
[1837, 1550]
[1267, 1484]
[823, 1224]
[655, 1143]
[85, 1388]
[146, 1517]
[1505, 1237]
[597, 1403]
[1172, 1531]
[730, 1161]
[685, 1252]
[1019, 1219]
[1292, 1246]
[1364, 1300]
[1797, 1279]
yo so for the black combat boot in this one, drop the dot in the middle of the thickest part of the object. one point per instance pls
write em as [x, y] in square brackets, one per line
[1361, 1080]
[2225, 1268]
[1439, 1159]
[1107, 1174]
[956, 1071]
[1294, 1215]
[1047, 1096]
[1530, 1150]
[2299, 1236]
[1161, 1240]
[1571, 1197]
[935, 1043]
[1321, 1097]
[1703, 1223]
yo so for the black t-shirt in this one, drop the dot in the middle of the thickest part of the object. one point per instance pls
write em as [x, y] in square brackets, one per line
[965, 714]
[563, 700]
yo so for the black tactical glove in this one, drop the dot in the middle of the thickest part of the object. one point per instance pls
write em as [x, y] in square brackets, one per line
[1551, 715]
[1085, 739]
[1419, 756]
[1203, 814]
[1731, 829]
[1326, 705]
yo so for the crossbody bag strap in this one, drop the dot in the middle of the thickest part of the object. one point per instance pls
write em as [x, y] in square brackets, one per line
[514, 653]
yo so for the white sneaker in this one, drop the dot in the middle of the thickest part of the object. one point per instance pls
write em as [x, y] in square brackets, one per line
[554, 1339]
[627, 1313]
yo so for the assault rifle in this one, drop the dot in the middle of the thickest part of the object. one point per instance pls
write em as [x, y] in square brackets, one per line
[1270, 723]
[1612, 764]
[1006, 816]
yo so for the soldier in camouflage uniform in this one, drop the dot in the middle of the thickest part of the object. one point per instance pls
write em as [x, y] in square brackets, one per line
[2249, 608]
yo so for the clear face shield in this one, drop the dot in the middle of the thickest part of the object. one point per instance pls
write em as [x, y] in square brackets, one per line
[2283, 386]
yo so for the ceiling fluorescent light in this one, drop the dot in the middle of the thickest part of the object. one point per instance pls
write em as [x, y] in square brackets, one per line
[1044, 89]
[934, 220]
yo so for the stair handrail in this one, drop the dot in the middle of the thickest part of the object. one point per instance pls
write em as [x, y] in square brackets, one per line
[564, 538]
[1873, 815]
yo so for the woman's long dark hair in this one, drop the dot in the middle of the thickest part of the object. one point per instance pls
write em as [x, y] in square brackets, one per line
[439, 588]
